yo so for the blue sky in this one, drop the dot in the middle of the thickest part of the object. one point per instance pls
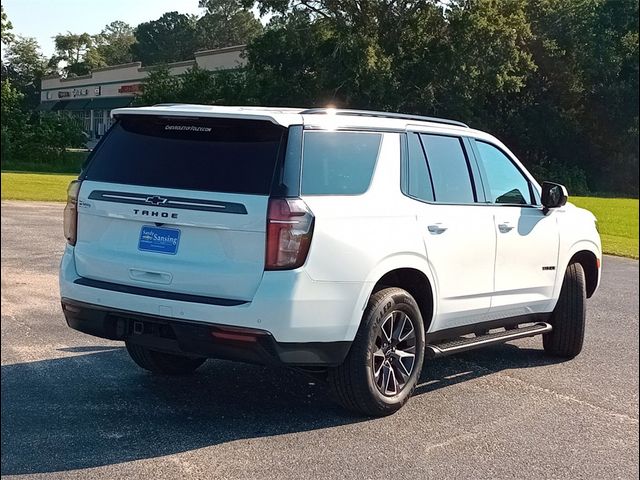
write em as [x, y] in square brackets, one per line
[43, 19]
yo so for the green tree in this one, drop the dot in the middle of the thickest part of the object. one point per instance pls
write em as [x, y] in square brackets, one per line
[77, 52]
[24, 65]
[487, 58]
[115, 42]
[557, 80]
[160, 87]
[10, 103]
[610, 74]
[33, 139]
[304, 60]
[12, 120]
[287, 62]
[226, 23]
[196, 86]
[576, 119]
[417, 57]
[26, 136]
[6, 35]
[170, 38]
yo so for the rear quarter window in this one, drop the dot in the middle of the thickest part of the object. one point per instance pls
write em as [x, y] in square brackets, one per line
[338, 163]
[217, 155]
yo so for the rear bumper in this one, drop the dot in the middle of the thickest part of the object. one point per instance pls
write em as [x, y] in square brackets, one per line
[289, 305]
[199, 339]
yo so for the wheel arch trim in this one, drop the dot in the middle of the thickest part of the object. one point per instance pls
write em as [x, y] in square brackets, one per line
[387, 265]
[578, 248]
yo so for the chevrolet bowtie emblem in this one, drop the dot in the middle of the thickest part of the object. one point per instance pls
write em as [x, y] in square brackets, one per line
[155, 200]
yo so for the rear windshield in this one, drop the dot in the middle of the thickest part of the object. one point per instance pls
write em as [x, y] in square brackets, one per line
[219, 155]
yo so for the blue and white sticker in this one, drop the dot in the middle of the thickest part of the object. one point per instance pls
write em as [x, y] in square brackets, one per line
[159, 240]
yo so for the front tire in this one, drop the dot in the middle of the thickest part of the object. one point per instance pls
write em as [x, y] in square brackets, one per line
[385, 360]
[569, 317]
[164, 363]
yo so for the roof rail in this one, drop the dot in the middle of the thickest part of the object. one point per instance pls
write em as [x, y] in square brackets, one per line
[370, 113]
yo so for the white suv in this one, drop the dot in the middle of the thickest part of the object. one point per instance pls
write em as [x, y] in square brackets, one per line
[349, 244]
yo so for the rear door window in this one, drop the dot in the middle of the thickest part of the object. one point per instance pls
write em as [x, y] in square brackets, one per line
[218, 155]
[449, 169]
[338, 163]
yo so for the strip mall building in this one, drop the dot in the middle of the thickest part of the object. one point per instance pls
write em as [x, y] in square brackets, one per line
[90, 98]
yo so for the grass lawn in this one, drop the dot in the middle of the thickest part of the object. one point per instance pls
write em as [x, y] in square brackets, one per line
[35, 186]
[618, 223]
[617, 217]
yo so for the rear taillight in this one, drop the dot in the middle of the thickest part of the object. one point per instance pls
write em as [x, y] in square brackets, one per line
[289, 231]
[71, 212]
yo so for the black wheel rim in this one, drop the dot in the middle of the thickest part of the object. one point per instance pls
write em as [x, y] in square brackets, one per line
[394, 354]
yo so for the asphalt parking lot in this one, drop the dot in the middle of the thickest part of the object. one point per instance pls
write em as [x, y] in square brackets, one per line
[74, 406]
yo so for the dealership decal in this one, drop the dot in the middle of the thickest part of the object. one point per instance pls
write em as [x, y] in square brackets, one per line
[187, 128]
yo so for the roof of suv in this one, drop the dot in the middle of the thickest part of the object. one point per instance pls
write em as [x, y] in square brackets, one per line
[316, 117]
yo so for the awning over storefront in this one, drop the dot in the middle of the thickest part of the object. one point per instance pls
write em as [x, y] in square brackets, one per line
[45, 106]
[77, 104]
[109, 103]
[60, 105]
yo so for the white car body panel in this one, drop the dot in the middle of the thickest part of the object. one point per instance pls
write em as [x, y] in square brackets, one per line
[526, 259]
[578, 233]
[288, 304]
[220, 254]
[280, 116]
[476, 272]
[464, 294]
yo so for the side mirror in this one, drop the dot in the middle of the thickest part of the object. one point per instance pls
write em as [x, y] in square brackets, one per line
[554, 195]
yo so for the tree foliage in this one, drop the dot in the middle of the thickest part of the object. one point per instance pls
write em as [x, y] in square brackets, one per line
[160, 87]
[114, 43]
[6, 35]
[26, 135]
[557, 80]
[196, 85]
[170, 38]
[24, 65]
[77, 53]
[225, 23]
[12, 118]
[579, 108]
[30, 137]
[176, 36]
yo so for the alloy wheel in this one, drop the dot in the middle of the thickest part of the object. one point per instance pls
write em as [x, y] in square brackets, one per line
[394, 353]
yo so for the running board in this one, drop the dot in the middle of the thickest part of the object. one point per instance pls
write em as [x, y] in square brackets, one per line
[463, 344]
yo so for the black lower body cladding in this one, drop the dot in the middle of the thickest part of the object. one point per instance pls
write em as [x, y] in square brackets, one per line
[199, 338]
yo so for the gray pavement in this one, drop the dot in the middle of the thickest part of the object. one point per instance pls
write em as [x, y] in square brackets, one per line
[74, 406]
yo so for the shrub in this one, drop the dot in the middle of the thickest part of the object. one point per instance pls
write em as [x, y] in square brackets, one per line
[572, 177]
[40, 141]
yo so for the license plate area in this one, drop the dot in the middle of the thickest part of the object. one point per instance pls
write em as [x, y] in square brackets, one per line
[159, 240]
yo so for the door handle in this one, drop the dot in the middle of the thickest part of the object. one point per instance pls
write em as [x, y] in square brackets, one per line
[437, 228]
[505, 227]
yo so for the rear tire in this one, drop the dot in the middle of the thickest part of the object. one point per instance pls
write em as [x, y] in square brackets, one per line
[569, 317]
[384, 362]
[160, 362]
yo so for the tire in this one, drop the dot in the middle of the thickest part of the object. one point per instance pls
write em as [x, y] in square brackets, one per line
[160, 362]
[384, 343]
[569, 317]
